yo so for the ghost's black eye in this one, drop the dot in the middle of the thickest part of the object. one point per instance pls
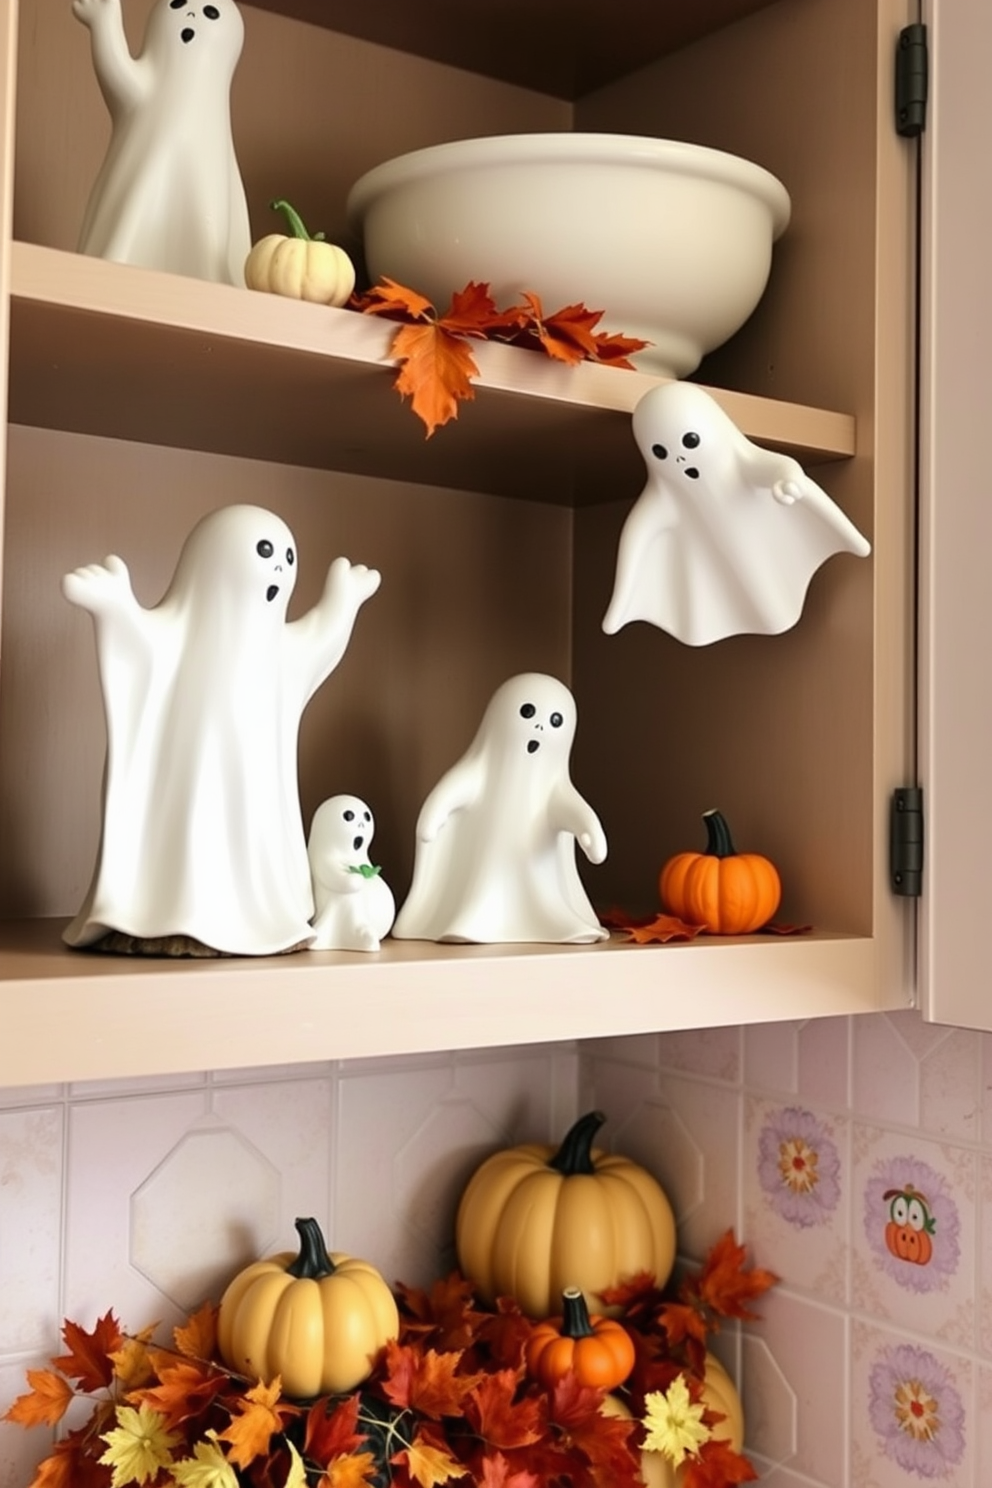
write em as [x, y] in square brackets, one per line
[659, 451]
[290, 557]
[177, 4]
[690, 440]
[527, 710]
[264, 548]
[349, 816]
[368, 815]
[556, 720]
[211, 12]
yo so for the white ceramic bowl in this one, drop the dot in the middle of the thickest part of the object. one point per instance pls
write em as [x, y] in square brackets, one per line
[671, 241]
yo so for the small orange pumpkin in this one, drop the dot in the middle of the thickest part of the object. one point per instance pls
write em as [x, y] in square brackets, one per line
[598, 1350]
[727, 892]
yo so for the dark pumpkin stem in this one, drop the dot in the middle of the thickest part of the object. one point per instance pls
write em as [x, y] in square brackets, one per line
[313, 1261]
[575, 1315]
[295, 222]
[718, 840]
[575, 1153]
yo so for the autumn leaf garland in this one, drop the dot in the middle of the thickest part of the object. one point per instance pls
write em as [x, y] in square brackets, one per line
[448, 1402]
[436, 363]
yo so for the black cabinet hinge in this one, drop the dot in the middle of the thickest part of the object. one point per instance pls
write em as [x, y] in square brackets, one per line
[906, 841]
[912, 80]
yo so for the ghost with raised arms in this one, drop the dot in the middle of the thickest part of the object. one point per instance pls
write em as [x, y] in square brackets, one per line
[203, 694]
[726, 535]
[495, 839]
[169, 193]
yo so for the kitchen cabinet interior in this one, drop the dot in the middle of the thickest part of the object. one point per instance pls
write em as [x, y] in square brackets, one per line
[136, 401]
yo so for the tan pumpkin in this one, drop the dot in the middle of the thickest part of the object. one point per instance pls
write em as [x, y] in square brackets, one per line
[299, 266]
[719, 1394]
[534, 1220]
[316, 1319]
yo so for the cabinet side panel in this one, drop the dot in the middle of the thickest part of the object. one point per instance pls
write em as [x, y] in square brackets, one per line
[474, 589]
[8, 88]
[311, 111]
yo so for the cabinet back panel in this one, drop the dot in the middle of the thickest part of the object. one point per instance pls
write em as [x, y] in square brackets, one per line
[474, 589]
[311, 111]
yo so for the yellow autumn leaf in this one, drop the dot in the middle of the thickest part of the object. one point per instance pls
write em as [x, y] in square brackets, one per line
[675, 1424]
[138, 1446]
[297, 1475]
[207, 1468]
[429, 1465]
[132, 1361]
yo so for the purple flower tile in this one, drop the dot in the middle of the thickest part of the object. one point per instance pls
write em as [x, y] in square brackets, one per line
[798, 1167]
[916, 1411]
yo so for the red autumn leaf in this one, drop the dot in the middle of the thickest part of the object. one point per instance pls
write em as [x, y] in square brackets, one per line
[717, 1466]
[425, 1381]
[499, 1420]
[779, 927]
[332, 1430]
[571, 1403]
[185, 1388]
[681, 1321]
[607, 1445]
[436, 371]
[46, 1402]
[473, 312]
[724, 1285]
[88, 1359]
[72, 1466]
[495, 1472]
[197, 1338]
[447, 1312]
[662, 929]
[633, 1291]
[504, 1334]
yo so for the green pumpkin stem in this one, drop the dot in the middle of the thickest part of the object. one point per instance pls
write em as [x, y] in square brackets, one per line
[313, 1261]
[575, 1315]
[719, 843]
[295, 222]
[575, 1153]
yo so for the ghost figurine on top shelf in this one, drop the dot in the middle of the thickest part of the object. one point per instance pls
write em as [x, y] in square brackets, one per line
[202, 849]
[725, 536]
[169, 193]
[354, 905]
[495, 840]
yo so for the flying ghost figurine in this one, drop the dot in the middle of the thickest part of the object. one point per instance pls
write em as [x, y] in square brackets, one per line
[202, 847]
[354, 906]
[725, 536]
[495, 848]
[169, 194]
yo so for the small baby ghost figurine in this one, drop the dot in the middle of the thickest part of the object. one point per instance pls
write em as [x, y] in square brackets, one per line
[725, 536]
[202, 847]
[495, 855]
[355, 907]
[169, 193]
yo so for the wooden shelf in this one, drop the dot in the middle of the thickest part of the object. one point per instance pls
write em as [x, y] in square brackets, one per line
[106, 349]
[80, 1015]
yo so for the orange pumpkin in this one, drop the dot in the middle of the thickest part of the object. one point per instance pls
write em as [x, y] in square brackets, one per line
[598, 1350]
[727, 892]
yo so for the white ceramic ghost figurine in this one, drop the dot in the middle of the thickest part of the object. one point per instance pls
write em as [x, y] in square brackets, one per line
[169, 194]
[202, 834]
[725, 536]
[495, 852]
[355, 908]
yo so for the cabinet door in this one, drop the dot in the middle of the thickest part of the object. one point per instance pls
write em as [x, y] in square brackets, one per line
[956, 518]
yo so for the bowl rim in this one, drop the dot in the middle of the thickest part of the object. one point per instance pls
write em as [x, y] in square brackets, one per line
[679, 156]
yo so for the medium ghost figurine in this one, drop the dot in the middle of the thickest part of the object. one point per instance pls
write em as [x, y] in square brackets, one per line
[725, 536]
[169, 193]
[354, 907]
[202, 841]
[495, 852]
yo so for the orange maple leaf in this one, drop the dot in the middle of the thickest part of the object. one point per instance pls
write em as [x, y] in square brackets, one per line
[197, 1338]
[496, 1473]
[71, 1466]
[447, 1311]
[490, 1407]
[717, 1466]
[567, 336]
[388, 297]
[473, 312]
[436, 371]
[681, 1321]
[350, 1470]
[262, 1416]
[662, 929]
[429, 1462]
[46, 1402]
[723, 1284]
[332, 1430]
[425, 1381]
[184, 1388]
[89, 1358]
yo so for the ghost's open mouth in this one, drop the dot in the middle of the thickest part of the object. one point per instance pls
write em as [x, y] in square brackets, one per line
[271, 592]
[533, 745]
[357, 842]
[187, 34]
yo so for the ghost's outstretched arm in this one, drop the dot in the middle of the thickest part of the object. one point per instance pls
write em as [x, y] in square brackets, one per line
[123, 628]
[321, 637]
[118, 74]
[572, 813]
[454, 791]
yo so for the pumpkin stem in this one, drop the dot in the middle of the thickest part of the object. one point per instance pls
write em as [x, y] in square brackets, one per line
[313, 1261]
[575, 1153]
[718, 840]
[575, 1315]
[295, 222]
